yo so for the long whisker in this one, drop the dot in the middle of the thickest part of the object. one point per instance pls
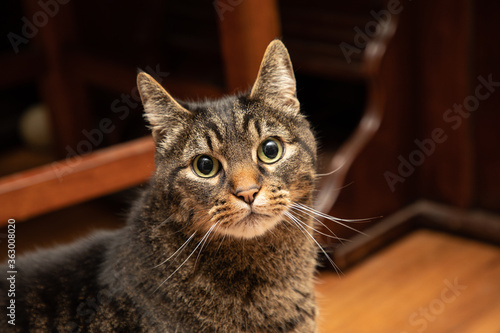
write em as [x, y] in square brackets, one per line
[299, 225]
[292, 221]
[158, 226]
[220, 242]
[331, 218]
[332, 234]
[363, 220]
[190, 255]
[207, 236]
[178, 250]
[331, 172]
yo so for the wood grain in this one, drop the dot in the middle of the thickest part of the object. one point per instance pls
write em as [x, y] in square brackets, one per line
[486, 137]
[246, 28]
[443, 82]
[66, 182]
[426, 282]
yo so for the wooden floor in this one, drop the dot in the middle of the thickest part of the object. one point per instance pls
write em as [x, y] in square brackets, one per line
[425, 282]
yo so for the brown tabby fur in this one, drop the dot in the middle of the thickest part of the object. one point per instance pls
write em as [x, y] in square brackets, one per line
[194, 257]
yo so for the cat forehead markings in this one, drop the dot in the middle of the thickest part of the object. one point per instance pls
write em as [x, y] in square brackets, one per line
[233, 124]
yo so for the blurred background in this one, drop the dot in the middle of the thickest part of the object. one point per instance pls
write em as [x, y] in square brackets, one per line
[405, 94]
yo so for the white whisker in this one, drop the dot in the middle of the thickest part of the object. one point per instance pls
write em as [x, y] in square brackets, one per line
[368, 219]
[190, 255]
[339, 188]
[331, 218]
[299, 225]
[221, 241]
[158, 226]
[205, 239]
[178, 250]
[293, 222]
[333, 235]
[331, 172]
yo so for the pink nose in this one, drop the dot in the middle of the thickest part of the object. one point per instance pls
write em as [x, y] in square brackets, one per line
[247, 194]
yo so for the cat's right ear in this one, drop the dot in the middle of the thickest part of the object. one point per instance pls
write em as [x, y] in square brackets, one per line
[276, 82]
[163, 112]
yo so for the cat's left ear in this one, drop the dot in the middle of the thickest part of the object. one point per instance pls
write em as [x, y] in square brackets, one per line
[276, 82]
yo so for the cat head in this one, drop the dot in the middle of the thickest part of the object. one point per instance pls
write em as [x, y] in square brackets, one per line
[234, 165]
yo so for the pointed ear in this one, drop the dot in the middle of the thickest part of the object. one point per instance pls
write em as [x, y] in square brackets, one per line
[276, 82]
[162, 111]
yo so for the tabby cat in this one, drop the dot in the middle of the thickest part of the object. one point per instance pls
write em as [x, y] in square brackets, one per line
[219, 241]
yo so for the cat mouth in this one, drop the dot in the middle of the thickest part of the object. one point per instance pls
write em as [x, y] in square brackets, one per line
[253, 225]
[253, 214]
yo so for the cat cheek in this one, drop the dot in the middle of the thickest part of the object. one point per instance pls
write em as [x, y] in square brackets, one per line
[227, 206]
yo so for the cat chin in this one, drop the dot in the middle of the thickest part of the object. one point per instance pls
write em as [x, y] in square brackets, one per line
[252, 226]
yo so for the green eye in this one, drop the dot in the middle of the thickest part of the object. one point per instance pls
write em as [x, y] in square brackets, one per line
[270, 150]
[206, 166]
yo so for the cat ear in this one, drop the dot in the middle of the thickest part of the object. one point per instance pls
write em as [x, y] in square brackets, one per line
[276, 82]
[162, 111]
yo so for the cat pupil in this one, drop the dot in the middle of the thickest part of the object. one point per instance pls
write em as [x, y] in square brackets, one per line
[205, 164]
[270, 149]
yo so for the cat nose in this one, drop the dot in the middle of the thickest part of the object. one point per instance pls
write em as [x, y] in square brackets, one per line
[247, 194]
